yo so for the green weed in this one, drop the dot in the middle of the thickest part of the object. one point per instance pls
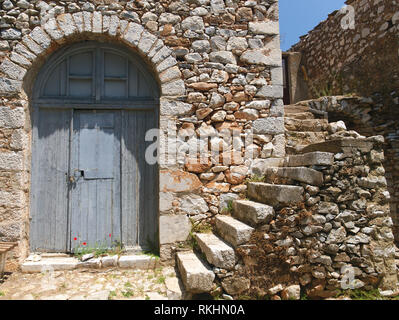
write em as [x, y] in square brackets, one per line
[255, 178]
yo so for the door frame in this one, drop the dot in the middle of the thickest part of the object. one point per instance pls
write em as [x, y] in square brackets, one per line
[131, 104]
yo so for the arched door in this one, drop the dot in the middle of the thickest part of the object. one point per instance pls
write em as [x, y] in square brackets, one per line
[91, 185]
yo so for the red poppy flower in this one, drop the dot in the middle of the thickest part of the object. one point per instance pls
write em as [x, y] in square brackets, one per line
[75, 239]
[84, 243]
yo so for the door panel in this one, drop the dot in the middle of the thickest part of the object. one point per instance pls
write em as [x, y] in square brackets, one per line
[95, 165]
[139, 182]
[49, 196]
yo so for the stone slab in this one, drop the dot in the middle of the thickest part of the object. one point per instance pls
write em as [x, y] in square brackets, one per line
[301, 174]
[49, 265]
[233, 231]
[196, 276]
[140, 262]
[275, 195]
[252, 213]
[217, 252]
[311, 159]
[337, 146]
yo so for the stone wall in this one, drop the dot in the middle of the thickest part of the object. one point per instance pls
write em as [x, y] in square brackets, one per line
[339, 238]
[362, 58]
[338, 59]
[364, 116]
[218, 64]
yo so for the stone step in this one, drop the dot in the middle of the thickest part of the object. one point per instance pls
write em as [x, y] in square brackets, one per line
[233, 231]
[275, 195]
[45, 263]
[259, 166]
[252, 213]
[307, 125]
[300, 115]
[49, 265]
[293, 150]
[304, 138]
[311, 159]
[196, 275]
[301, 174]
[217, 252]
[292, 108]
[339, 146]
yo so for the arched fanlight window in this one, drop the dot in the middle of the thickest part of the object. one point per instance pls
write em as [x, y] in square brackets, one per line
[95, 72]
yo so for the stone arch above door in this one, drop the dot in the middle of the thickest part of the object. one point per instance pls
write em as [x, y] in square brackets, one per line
[95, 72]
[70, 28]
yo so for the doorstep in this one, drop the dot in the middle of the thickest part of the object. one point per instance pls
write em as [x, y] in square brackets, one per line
[49, 263]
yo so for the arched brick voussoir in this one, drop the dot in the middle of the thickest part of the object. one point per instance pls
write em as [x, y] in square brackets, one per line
[64, 27]
[9, 87]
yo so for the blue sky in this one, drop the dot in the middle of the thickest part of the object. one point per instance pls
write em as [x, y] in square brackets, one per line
[298, 17]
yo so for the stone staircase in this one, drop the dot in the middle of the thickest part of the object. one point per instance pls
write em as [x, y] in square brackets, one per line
[283, 184]
[303, 127]
[281, 187]
[218, 254]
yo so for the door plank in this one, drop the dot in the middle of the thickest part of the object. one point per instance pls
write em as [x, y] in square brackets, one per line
[49, 196]
[95, 204]
[139, 180]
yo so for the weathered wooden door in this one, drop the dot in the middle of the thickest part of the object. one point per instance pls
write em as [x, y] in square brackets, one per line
[95, 178]
[91, 184]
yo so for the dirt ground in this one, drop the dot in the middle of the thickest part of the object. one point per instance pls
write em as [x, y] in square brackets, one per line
[112, 284]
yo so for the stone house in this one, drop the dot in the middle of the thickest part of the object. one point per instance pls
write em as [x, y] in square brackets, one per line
[84, 83]
[185, 65]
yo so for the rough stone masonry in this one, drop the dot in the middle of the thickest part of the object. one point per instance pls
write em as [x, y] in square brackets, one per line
[362, 60]
[218, 64]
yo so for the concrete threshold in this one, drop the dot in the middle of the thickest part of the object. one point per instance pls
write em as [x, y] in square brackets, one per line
[55, 262]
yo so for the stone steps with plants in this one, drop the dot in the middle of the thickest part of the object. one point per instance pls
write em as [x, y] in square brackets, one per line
[218, 250]
[265, 196]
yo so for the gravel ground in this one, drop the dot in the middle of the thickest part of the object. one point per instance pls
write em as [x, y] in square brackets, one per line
[91, 285]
